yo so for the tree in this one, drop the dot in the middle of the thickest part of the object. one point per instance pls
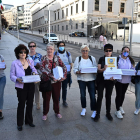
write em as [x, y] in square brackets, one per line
[4, 21]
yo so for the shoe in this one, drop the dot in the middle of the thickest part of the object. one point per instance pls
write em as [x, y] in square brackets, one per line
[97, 117]
[119, 114]
[65, 104]
[44, 117]
[19, 128]
[109, 117]
[137, 111]
[59, 116]
[93, 114]
[122, 111]
[1, 115]
[83, 113]
[38, 106]
[30, 124]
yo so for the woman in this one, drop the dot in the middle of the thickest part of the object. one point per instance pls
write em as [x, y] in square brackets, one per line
[25, 92]
[67, 60]
[86, 80]
[124, 62]
[36, 57]
[104, 84]
[48, 62]
[2, 86]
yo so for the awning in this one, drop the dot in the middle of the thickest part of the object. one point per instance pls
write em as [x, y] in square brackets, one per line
[95, 26]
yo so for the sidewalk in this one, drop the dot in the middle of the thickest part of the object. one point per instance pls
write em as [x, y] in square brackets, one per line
[117, 44]
[72, 126]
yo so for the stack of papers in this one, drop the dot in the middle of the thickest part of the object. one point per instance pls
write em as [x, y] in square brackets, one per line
[115, 75]
[31, 79]
[68, 68]
[58, 73]
[2, 65]
[89, 70]
[128, 72]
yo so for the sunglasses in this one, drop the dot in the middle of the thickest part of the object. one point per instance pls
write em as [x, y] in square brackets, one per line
[84, 50]
[21, 52]
[108, 51]
[32, 46]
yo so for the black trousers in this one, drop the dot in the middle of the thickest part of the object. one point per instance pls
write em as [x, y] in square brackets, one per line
[120, 94]
[25, 95]
[108, 85]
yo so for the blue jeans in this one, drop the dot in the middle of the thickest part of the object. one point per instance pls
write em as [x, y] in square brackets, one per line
[91, 89]
[137, 94]
[2, 85]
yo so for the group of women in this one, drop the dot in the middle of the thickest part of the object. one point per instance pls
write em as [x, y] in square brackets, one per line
[29, 62]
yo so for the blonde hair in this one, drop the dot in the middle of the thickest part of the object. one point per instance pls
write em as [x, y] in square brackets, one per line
[84, 46]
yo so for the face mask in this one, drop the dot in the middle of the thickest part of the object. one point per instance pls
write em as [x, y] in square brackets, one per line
[61, 49]
[125, 54]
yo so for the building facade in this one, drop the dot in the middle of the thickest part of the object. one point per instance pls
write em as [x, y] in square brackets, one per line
[84, 14]
[137, 10]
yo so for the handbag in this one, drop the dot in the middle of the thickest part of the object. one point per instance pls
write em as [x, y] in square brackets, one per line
[46, 86]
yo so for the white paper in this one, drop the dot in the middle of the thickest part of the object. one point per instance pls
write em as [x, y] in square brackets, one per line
[58, 73]
[68, 68]
[89, 70]
[138, 73]
[107, 77]
[2, 65]
[111, 63]
[128, 72]
[31, 79]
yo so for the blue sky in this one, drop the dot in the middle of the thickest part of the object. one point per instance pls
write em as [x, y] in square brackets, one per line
[15, 2]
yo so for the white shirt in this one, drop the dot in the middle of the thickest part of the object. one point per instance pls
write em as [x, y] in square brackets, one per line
[83, 64]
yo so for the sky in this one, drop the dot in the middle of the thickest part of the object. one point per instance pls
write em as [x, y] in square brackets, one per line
[15, 2]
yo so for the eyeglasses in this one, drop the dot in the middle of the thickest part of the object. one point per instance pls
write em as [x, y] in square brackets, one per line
[32, 46]
[108, 51]
[84, 50]
[21, 52]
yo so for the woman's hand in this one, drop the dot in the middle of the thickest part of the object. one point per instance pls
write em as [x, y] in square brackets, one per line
[78, 72]
[112, 79]
[19, 80]
[105, 67]
[62, 79]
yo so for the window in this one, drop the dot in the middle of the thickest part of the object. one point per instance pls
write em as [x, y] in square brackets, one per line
[66, 11]
[76, 8]
[66, 27]
[71, 10]
[62, 13]
[83, 5]
[55, 16]
[76, 26]
[58, 27]
[62, 28]
[71, 27]
[28, 14]
[122, 7]
[82, 25]
[109, 6]
[58, 15]
[96, 5]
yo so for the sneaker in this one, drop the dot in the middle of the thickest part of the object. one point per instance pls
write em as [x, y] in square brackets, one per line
[38, 106]
[97, 117]
[109, 117]
[44, 117]
[65, 104]
[59, 116]
[1, 116]
[83, 113]
[122, 111]
[137, 111]
[119, 114]
[93, 114]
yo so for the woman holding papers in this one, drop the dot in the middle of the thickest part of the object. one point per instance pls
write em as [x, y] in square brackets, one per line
[2, 83]
[25, 91]
[67, 60]
[86, 79]
[104, 84]
[124, 62]
[48, 63]
[36, 57]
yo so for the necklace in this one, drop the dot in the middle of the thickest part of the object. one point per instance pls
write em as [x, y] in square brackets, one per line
[23, 64]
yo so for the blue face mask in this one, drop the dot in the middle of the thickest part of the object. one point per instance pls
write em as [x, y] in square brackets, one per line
[125, 54]
[61, 49]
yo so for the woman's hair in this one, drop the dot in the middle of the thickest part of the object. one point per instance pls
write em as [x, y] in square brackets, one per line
[50, 45]
[19, 48]
[131, 59]
[31, 43]
[84, 46]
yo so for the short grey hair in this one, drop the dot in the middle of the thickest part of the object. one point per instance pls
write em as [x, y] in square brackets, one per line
[84, 46]
[50, 45]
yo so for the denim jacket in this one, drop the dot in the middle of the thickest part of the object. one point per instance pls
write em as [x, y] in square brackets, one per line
[137, 78]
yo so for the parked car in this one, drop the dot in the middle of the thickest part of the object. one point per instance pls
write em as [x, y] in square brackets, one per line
[79, 34]
[53, 38]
